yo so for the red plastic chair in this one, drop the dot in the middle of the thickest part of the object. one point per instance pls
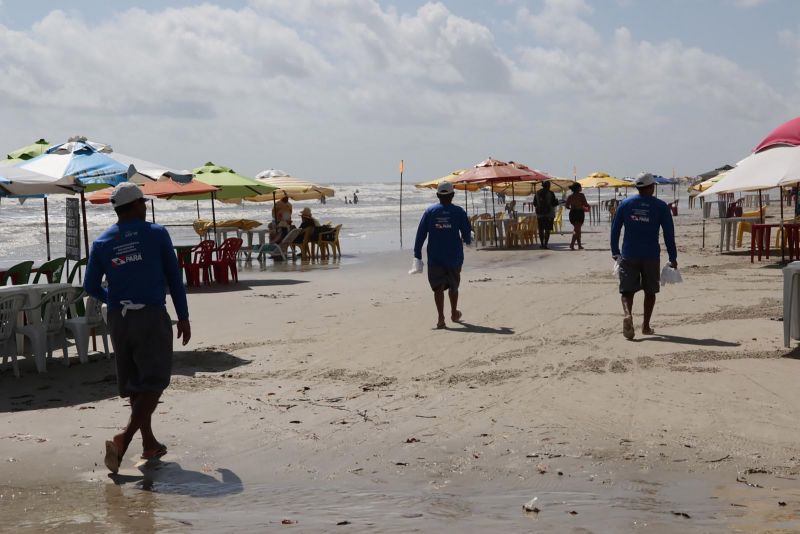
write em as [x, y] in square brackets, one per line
[226, 260]
[673, 206]
[202, 260]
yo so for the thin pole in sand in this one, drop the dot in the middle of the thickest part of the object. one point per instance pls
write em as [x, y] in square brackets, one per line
[494, 216]
[47, 227]
[214, 216]
[783, 235]
[85, 226]
[153, 211]
[760, 209]
[198, 208]
[466, 201]
[402, 168]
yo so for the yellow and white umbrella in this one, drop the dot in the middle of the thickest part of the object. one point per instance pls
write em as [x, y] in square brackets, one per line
[601, 180]
[290, 186]
[452, 177]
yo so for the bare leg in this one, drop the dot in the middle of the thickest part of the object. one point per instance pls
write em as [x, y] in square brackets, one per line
[438, 297]
[455, 315]
[627, 322]
[649, 304]
[142, 407]
[542, 241]
[574, 238]
[578, 234]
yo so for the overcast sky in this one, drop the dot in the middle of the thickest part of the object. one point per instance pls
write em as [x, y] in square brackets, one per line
[341, 90]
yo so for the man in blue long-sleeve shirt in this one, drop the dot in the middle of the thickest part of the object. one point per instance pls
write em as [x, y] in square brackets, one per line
[444, 225]
[139, 263]
[642, 216]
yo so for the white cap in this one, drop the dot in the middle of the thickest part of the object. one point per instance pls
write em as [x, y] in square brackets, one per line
[643, 179]
[125, 193]
[445, 188]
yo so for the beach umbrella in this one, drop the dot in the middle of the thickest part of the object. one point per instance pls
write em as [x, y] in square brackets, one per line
[491, 171]
[23, 184]
[284, 184]
[78, 166]
[602, 180]
[775, 162]
[705, 185]
[453, 178]
[165, 189]
[230, 185]
[557, 185]
[30, 151]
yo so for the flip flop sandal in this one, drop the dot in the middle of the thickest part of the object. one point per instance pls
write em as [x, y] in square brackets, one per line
[627, 328]
[113, 457]
[457, 317]
[155, 453]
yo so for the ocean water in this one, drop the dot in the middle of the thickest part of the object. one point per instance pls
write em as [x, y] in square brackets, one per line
[372, 225]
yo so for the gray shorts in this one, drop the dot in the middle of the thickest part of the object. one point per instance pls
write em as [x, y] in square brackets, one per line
[639, 273]
[143, 349]
[444, 277]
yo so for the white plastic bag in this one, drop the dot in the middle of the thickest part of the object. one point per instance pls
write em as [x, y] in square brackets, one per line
[615, 268]
[416, 266]
[670, 275]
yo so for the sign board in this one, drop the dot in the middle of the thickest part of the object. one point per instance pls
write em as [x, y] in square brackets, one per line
[73, 236]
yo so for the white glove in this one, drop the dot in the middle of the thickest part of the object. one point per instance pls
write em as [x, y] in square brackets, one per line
[416, 266]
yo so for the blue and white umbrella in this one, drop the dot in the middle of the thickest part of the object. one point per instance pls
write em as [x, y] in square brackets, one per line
[77, 165]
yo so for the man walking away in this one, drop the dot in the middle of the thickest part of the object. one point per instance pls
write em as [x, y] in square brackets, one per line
[445, 225]
[641, 215]
[545, 203]
[139, 264]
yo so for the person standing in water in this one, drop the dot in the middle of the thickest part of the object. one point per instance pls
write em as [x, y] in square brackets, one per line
[139, 263]
[445, 226]
[577, 206]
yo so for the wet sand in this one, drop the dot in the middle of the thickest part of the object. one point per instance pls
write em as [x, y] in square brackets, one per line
[326, 395]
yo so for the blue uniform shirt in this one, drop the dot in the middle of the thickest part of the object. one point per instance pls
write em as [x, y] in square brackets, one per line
[642, 216]
[138, 261]
[445, 225]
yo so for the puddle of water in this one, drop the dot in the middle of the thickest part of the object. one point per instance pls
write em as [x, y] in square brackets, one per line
[171, 499]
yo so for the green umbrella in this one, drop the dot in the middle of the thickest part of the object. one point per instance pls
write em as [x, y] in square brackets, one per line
[31, 151]
[230, 184]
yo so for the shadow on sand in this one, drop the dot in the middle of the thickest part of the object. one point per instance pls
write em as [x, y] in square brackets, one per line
[476, 329]
[243, 285]
[171, 479]
[708, 342]
[82, 384]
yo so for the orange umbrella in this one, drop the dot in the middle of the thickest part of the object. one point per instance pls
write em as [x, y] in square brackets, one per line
[160, 189]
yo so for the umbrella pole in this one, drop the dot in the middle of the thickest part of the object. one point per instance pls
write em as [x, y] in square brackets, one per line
[494, 217]
[760, 212]
[513, 197]
[153, 211]
[198, 208]
[214, 215]
[783, 252]
[47, 228]
[466, 201]
[85, 226]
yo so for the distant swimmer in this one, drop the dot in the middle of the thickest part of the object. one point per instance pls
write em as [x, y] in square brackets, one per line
[355, 197]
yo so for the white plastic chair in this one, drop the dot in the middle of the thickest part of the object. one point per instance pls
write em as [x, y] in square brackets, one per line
[270, 248]
[10, 307]
[81, 328]
[50, 332]
[791, 302]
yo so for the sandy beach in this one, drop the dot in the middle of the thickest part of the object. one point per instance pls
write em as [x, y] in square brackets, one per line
[322, 398]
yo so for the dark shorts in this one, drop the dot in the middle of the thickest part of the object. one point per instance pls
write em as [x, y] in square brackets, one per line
[143, 349]
[546, 223]
[639, 273]
[576, 216]
[444, 277]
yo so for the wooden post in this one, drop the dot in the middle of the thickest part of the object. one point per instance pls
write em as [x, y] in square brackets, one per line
[402, 168]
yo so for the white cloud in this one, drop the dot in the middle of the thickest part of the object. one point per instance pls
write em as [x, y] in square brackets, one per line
[314, 85]
[560, 22]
